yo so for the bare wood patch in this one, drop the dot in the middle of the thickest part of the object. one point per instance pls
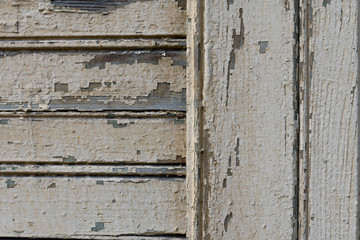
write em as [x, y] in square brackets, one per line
[121, 80]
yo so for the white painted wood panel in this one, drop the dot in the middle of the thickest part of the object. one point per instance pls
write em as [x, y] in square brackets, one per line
[87, 207]
[74, 18]
[244, 119]
[95, 80]
[330, 115]
[92, 119]
[92, 140]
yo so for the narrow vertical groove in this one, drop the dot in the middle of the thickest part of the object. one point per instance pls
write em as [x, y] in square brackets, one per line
[358, 122]
[307, 116]
[296, 84]
[201, 58]
[195, 117]
[304, 163]
[304, 116]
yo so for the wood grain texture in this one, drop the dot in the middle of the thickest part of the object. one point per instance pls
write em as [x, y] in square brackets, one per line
[90, 170]
[194, 121]
[330, 112]
[16, 44]
[249, 133]
[92, 140]
[130, 237]
[98, 80]
[96, 17]
[90, 207]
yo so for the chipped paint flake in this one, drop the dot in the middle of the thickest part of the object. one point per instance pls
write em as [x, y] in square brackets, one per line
[61, 87]
[115, 124]
[326, 2]
[4, 121]
[10, 183]
[263, 46]
[69, 159]
[98, 227]
[227, 221]
[93, 5]
[181, 4]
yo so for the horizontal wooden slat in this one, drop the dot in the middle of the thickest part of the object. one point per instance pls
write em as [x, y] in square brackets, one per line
[96, 80]
[95, 17]
[88, 207]
[83, 44]
[128, 237]
[92, 140]
[92, 114]
[90, 170]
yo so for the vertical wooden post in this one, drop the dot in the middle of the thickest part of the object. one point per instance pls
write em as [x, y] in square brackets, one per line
[329, 144]
[195, 177]
[242, 119]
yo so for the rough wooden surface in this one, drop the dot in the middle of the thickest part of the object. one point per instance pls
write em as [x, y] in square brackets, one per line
[70, 140]
[101, 43]
[133, 237]
[90, 207]
[96, 17]
[91, 170]
[92, 119]
[98, 80]
[248, 169]
[330, 112]
[194, 120]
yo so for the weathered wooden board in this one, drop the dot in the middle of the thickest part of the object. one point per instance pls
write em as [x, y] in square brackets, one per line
[91, 170]
[133, 237]
[89, 207]
[92, 18]
[91, 44]
[92, 140]
[98, 80]
[330, 117]
[247, 129]
[159, 237]
[194, 173]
